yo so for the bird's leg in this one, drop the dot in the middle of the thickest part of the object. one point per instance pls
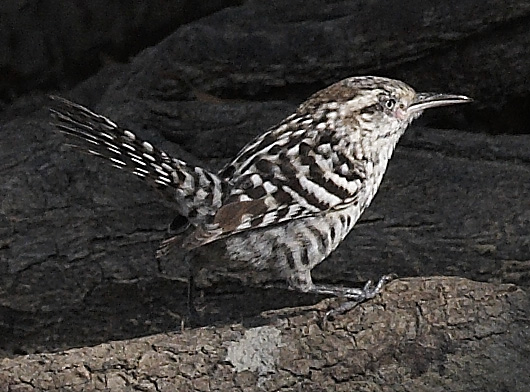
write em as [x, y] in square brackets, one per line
[192, 313]
[354, 295]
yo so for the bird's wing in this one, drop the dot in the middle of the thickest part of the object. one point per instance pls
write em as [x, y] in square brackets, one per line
[302, 179]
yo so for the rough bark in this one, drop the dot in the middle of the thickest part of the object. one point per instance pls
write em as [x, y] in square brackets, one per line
[436, 334]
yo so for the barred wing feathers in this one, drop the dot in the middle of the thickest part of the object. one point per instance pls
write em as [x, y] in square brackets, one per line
[290, 172]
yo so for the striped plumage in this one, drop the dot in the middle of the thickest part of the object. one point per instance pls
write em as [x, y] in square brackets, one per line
[288, 199]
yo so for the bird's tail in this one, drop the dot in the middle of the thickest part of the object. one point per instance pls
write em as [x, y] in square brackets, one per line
[196, 191]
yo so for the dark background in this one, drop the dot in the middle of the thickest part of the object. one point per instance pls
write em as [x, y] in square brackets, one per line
[77, 238]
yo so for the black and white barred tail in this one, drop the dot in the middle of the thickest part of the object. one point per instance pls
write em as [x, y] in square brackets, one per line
[196, 191]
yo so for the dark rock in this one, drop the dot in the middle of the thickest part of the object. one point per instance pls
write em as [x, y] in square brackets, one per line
[57, 43]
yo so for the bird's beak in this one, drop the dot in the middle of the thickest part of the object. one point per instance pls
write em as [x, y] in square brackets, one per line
[424, 101]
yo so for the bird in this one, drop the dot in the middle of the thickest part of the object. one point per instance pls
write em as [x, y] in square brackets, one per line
[290, 196]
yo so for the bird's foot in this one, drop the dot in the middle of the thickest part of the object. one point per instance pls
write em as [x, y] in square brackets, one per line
[354, 296]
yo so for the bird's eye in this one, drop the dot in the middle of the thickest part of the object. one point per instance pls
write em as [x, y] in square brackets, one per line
[390, 103]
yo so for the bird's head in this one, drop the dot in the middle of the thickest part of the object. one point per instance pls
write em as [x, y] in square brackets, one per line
[379, 107]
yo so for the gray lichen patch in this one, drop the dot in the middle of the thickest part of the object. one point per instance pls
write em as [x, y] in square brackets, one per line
[257, 351]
